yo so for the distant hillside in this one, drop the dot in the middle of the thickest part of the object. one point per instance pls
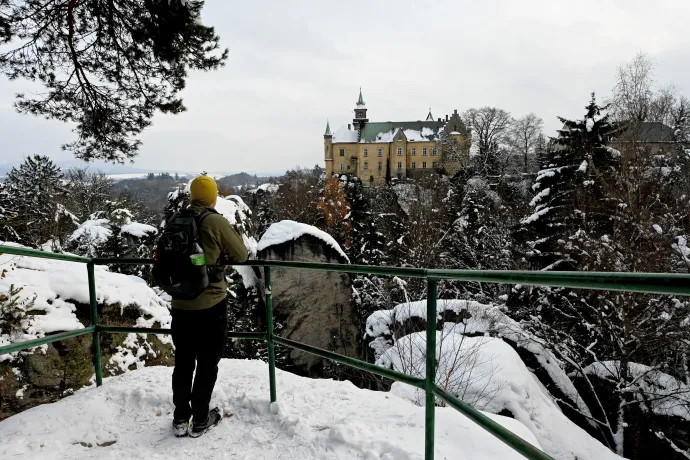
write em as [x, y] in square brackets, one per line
[242, 178]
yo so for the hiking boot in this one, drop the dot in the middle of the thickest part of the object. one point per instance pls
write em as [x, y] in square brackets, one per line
[213, 419]
[180, 428]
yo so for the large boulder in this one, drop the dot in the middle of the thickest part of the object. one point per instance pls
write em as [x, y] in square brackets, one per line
[41, 297]
[313, 307]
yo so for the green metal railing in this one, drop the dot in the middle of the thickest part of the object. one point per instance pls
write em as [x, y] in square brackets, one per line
[653, 283]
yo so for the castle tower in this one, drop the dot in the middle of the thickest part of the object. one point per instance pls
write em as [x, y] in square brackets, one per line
[328, 149]
[360, 113]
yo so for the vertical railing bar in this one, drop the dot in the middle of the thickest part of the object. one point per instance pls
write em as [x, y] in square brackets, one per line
[94, 323]
[269, 335]
[430, 406]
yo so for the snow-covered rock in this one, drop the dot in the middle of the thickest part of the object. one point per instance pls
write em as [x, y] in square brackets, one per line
[288, 230]
[130, 417]
[398, 342]
[313, 307]
[56, 288]
[53, 296]
[487, 373]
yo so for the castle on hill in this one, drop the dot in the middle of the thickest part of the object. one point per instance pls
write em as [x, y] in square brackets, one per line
[379, 151]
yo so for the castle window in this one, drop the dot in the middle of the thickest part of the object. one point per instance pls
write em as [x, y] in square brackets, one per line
[424, 152]
[380, 152]
[366, 165]
[342, 152]
[414, 151]
[380, 166]
[399, 164]
[414, 165]
[342, 167]
[433, 165]
[366, 152]
[348, 167]
[399, 151]
[433, 151]
[424, 164]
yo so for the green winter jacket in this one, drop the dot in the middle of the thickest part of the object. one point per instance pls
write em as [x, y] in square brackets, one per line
[218, 238]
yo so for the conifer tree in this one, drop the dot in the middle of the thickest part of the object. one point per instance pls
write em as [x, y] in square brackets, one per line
[35, 187]
[571, 202]
[108, 66]
[10, 219]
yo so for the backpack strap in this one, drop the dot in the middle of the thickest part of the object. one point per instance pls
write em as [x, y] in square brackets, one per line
[199, 218]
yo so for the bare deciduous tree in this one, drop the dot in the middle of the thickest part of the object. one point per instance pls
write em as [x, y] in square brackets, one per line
[87, 191]
[490, 127]
[662, 105]
[524, 135]
[632, 93]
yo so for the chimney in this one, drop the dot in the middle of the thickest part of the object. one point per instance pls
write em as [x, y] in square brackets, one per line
[439, 120]
[446, 117]
[455, 112]
[349, 127]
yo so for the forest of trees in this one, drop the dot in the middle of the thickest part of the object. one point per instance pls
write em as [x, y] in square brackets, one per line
[570, 203]
[525, 202]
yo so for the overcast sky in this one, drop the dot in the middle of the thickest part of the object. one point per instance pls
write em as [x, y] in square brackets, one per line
[295, 64]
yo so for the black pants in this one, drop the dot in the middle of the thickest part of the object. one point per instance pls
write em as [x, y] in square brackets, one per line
[199, 337]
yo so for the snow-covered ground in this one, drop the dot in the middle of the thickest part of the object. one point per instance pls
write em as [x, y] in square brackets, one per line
[130, 417]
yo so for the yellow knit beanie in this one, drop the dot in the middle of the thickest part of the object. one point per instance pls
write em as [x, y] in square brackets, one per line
[204, 189]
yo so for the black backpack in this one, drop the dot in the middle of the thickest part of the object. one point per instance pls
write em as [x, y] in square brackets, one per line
[173, 270]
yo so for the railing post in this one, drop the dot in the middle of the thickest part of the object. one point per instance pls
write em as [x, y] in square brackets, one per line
[94, 322]
[269, 335]
[430, 406]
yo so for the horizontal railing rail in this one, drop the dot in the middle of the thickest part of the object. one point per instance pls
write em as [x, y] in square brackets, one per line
[651, 283]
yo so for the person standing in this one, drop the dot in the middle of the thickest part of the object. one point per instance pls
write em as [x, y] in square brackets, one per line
[199, 324]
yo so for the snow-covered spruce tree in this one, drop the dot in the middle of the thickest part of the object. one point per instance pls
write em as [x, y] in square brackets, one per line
[596, 210]
[477, 240]
[177, 201]
[541, 152]
[36, 189]
[113, 232]
[571, 201]
[10, 219]
[265, 213]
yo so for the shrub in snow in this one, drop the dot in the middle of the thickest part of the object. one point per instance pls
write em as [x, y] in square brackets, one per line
[13, 308]
[89, 237]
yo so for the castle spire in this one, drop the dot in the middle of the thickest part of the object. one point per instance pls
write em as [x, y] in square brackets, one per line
[328, 129]
[430, 117]
[360, 101]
